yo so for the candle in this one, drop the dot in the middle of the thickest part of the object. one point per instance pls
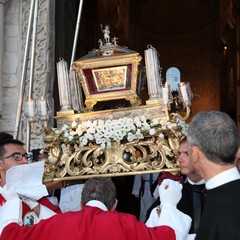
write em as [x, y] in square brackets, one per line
[184, 93]
[63, 85]
[31, 104]
[165, 94]
[154, 81]
[43, 106]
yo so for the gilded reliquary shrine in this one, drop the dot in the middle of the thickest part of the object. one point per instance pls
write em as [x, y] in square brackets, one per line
[127, 138]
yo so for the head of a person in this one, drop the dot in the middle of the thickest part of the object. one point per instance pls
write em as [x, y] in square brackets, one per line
[185, 163]
[12, 153]
[101, 189]
[213, 136]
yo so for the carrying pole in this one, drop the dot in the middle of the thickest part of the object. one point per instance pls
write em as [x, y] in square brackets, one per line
[77, 99]
[32, 67]
[24, 71]
[76, 32]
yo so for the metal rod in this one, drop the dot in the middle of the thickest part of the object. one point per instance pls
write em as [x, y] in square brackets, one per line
[24, 70]
[78, 104]
[32, 64]
[76, 32]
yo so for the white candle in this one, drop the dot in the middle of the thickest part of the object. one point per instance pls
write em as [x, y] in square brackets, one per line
[184, 93]
[154, 80]
[63, 85]
[43, 106]
[165, 94]
[31, 104]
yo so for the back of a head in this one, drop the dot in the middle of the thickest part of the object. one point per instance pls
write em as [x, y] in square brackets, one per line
[101, 189]
[216, 135]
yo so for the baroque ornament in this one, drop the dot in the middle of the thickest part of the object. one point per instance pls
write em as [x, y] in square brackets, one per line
[112, 146]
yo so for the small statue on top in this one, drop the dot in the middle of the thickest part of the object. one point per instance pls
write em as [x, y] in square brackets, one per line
[106, 33]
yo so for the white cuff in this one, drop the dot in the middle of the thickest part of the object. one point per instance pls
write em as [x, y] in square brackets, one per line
[10, 212]
[172, 217]
[191, 236]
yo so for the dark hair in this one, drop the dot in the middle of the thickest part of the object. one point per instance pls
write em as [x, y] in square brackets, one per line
[36, 152]
[101, 189]
[216, 135]
[6, 138]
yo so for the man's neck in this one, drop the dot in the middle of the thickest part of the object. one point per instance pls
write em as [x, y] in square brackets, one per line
[195, 178]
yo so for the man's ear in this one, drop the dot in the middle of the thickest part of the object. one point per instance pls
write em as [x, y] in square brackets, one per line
[196, 153]
[1, 165]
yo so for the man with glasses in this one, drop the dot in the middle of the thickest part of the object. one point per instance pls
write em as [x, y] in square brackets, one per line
[12, 153]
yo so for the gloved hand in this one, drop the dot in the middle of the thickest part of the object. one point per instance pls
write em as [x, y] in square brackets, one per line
[170, 191]
[31, 203]
[8, 194]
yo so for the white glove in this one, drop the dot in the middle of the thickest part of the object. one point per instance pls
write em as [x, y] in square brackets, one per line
[170, 191]
[31, 203]
[7, 193]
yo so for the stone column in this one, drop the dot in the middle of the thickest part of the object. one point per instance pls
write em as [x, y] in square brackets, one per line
[2, 3]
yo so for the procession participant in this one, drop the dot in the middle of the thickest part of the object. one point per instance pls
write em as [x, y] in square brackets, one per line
[13, 154]
[192, 201]
[213, 144]
[141, 189]
[98, 220]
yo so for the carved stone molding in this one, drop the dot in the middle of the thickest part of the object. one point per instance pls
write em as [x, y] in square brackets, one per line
[44, 57]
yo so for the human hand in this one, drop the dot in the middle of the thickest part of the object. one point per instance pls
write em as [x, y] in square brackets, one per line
[170, 192]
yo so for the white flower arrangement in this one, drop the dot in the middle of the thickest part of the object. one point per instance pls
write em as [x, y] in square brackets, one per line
[104, 132]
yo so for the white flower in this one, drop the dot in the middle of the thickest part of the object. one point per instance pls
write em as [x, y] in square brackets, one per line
[57, 131]
[74, 124]
[152, 131]
[131, 137]
[169, 125]
[66, 134]
[70, 137]
[65, 127]
[161, 136]
[83, 141]
[63, 146]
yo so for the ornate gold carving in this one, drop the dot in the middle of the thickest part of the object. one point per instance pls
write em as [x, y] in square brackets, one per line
[152, 154]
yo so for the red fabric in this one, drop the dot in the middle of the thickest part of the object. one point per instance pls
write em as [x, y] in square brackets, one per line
[90, 224]
[2, 200]
[168, 175]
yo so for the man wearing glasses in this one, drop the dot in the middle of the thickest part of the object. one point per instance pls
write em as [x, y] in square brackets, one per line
[12, 153]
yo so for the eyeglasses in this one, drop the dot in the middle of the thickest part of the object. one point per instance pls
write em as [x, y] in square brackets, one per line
[18, 156]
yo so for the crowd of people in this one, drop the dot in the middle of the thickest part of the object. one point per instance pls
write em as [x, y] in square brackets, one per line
[204, 206]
